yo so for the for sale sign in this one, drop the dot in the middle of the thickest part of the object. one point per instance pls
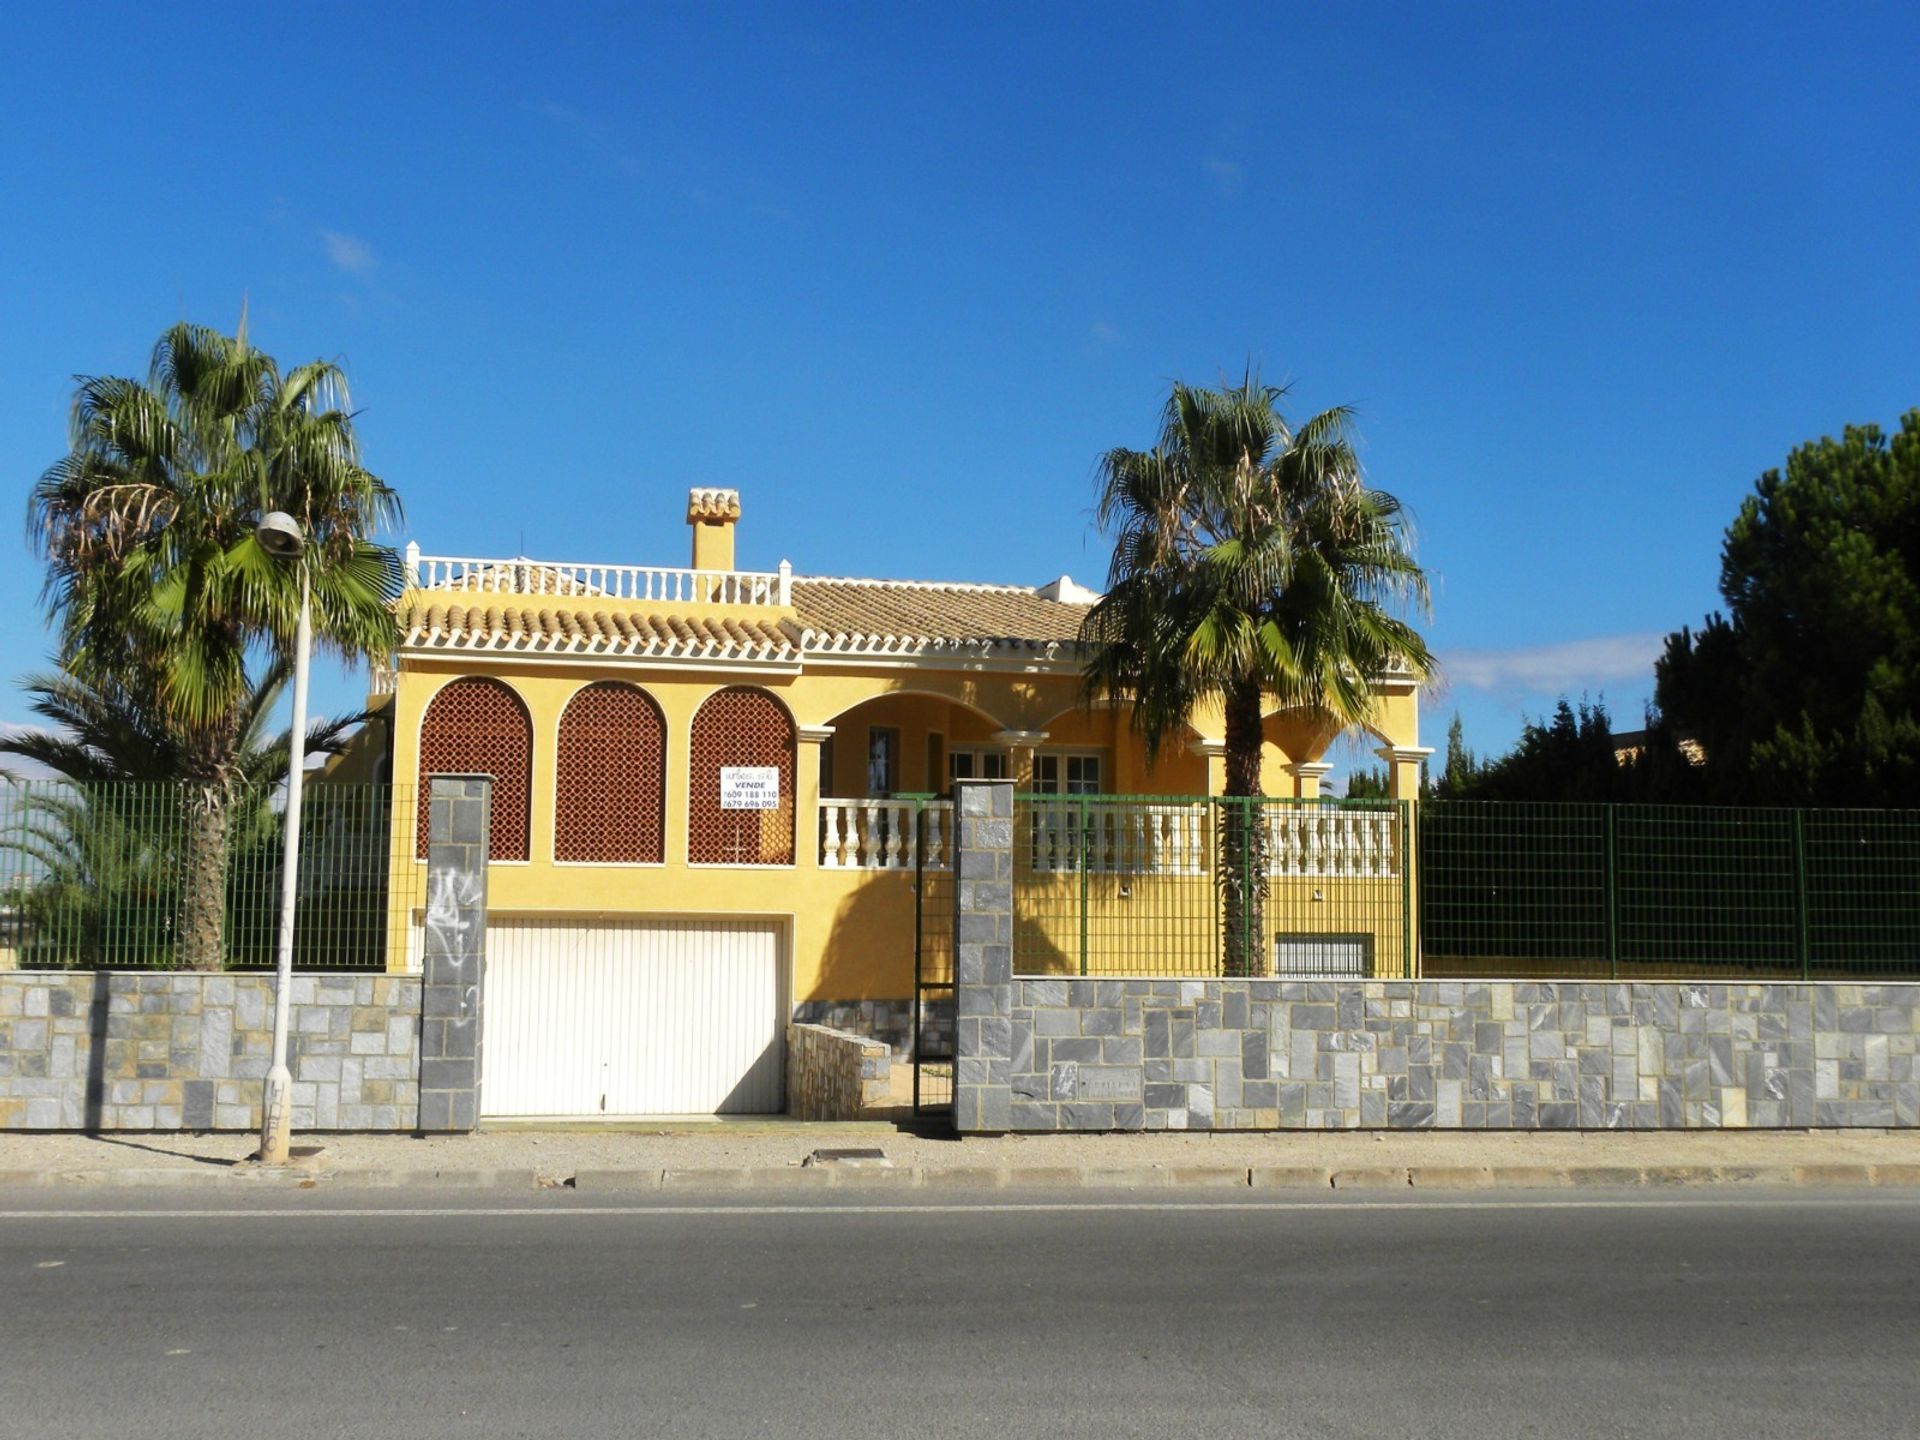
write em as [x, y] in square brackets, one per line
[749, 787]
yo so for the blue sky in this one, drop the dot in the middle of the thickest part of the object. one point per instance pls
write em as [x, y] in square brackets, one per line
[900, 273]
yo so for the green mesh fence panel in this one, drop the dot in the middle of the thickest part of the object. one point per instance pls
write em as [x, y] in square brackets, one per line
[91, 875]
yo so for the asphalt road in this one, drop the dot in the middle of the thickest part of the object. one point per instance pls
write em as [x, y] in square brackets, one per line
[308, 1315]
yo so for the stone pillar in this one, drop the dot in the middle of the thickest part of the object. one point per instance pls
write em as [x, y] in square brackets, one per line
[1307, 775]
[454, 952]
[983, 955]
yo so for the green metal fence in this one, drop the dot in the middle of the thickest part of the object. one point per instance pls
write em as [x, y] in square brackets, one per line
[96, 876]
[1199, 886]
[1667, 891]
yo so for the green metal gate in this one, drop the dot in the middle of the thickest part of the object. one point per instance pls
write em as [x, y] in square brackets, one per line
[935, 1007]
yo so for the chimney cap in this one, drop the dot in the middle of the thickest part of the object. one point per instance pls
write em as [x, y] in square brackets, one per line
[708, 502]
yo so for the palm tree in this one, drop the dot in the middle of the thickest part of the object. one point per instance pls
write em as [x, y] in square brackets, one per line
[155, 576]
[1252, 564]
[108, 732]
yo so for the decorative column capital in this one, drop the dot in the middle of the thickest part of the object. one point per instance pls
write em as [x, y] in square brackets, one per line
[1404, 754]
[1310, 769]
[1202, 745]
[1020, 737]
[814, 734]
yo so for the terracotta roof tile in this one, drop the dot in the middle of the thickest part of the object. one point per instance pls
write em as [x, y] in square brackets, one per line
[449, 624]
[940, 615]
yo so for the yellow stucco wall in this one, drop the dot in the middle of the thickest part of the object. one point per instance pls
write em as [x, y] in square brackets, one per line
[851, 931]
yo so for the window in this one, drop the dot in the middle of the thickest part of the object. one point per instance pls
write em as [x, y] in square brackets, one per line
[740, 728]
[1346, 956]
[610, 789]
[883, 760]
[1066, 774]
[976, 764]
[479, 727]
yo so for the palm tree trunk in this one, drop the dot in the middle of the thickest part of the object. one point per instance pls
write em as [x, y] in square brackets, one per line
[206, 823]
[1243, 839]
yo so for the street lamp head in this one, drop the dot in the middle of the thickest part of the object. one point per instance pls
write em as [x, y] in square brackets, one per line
[280, 536]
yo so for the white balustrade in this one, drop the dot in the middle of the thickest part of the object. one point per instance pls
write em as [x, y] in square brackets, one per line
[879, 834]
[1303, 841]
[665, 584]
[1144, 838]
[1330, 842]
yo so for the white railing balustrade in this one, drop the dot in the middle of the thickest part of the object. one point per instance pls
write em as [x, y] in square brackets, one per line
[665, 584]
[879, 834]
[1118, 839]
[1327, 842]
[1303, 841]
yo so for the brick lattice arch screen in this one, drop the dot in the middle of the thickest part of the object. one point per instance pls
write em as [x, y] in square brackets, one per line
[479, 727]
[610, 797]
[740, 727]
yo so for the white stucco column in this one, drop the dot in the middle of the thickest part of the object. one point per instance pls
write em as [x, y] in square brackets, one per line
[1307, 775]
[806, 796]
[1215, 754]
[1403, 769]
[1020, 746]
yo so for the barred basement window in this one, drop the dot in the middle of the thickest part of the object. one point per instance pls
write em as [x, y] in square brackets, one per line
[479, 727]
[610, 790]
[740, 728]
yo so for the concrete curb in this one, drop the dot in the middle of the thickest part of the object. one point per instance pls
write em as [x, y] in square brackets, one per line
[1374, 1178]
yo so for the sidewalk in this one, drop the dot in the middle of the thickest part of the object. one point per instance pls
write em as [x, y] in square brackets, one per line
[775, 1153]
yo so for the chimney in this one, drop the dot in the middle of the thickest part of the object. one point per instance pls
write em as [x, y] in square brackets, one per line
[712, 513]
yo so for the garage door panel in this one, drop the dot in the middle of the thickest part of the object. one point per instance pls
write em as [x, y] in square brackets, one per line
[657, 1018]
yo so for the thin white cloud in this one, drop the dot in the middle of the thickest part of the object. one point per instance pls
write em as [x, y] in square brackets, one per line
[588, 131]
[1565, 668]
[348, 252]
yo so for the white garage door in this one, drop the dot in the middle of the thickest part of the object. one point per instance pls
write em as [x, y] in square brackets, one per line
[663, 1017]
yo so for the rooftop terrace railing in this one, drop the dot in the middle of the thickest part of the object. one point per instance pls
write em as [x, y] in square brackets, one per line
[668, 584]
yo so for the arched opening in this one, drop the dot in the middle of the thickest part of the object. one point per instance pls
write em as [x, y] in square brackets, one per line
[744, 817]
[610, 778]
[908, 742]
[1094, 749]
[477, 726]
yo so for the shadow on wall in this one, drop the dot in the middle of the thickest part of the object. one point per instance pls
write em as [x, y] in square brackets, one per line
[870, 943]
[98, 1006]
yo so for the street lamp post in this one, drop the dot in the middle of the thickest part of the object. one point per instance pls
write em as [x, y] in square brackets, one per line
[280, 535]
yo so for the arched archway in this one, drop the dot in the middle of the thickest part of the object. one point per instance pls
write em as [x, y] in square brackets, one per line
[478, 726]
[610, 777]
[906, 741]
[741, 728]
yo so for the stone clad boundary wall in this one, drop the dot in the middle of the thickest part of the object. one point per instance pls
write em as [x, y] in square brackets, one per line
[890, 1021]
[835, 1075]
[1139, 1054]
[121, 1050]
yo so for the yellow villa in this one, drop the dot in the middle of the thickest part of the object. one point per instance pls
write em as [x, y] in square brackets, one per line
[718, 798]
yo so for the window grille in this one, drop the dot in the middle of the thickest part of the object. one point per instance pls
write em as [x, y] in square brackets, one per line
[610, 790]
[479, 727]
[740, 727]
